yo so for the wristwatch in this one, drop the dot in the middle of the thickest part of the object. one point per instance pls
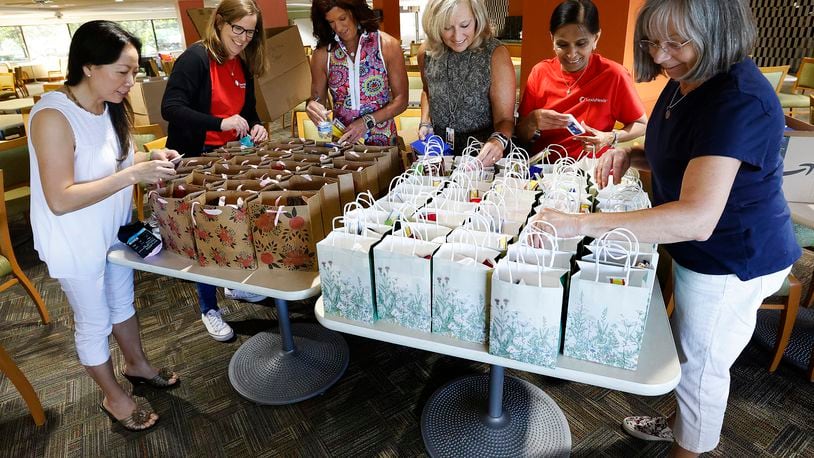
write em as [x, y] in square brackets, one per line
[370, 121]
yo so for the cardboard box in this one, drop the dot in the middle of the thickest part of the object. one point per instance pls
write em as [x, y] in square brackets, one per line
[200, 18]
[798, 161]
[287, 83]
[145, 96]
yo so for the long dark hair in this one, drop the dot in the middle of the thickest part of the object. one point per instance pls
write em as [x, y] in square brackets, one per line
[580, 12]
[101, 43]
[362, 14]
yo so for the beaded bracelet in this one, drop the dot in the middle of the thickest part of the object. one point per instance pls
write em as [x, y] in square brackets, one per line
[504, 141]
[424, 124]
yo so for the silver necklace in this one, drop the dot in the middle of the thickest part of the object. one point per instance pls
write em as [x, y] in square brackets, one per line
[673, 102]
[568, 87]
[231, 69]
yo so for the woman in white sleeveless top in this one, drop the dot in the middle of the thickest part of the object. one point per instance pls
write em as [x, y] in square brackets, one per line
[83, 168]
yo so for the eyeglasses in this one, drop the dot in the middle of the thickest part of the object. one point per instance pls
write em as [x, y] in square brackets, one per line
[669, 46]
[238, 30]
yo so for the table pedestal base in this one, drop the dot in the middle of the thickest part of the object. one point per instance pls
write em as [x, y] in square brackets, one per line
[263, 372]
[456, 420]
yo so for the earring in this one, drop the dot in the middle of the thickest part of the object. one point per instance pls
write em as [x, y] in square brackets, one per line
[87, 74]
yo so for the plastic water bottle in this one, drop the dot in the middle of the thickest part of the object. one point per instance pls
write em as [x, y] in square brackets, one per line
[324, 130]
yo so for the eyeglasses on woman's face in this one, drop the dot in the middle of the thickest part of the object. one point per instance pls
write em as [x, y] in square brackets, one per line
[238, 30]
[668, 46]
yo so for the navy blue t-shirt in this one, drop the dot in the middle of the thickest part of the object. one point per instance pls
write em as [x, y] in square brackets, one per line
[734, 114]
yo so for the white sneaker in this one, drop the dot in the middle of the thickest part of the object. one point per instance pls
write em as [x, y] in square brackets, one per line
[217, 328]
[648, 428]
[239, 295]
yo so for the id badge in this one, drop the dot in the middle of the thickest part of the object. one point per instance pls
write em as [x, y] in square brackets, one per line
[450, 137]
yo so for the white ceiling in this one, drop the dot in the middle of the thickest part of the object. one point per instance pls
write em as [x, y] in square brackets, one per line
[27, 12]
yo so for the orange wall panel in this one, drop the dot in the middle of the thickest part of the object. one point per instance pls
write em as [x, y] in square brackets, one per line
[187, 27]
[392, 19]
[275, 13]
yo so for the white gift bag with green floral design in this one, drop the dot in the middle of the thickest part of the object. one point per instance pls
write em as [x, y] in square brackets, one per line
[461, 280]
[402, 274]
[526, 312]
[607, 308]
[345, 274]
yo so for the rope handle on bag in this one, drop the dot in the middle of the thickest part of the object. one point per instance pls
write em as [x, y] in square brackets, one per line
[614, 249]
[474, 242]
[555, 149]
[522, 258]
[470, 221]
[533, 229]
[554, 198]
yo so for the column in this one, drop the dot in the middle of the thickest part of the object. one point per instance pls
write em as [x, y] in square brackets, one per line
[391, 24]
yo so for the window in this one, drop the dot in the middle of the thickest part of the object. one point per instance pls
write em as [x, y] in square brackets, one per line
[168, 35]
[143, 30]
[12, 44]
[50, 40]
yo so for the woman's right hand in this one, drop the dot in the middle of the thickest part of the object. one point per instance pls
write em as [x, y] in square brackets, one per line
[548, 120]
[615, 161]
[424, 132]
[316, 112]
[236, 123]
[152, 171]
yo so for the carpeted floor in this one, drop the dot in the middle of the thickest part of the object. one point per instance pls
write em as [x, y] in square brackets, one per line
[374, 409]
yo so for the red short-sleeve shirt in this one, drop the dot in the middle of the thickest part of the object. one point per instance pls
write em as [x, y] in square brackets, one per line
[600, 97]
[228, 95]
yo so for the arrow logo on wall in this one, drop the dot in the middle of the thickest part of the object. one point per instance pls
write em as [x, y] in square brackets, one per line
[809, 167]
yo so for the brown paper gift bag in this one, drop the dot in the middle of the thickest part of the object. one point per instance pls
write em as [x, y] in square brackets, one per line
[286, 226]
[223, 236]
[347, 192]
[171, 207]
[330, 204]
[365, 175]
[198, 177]
[246, 185]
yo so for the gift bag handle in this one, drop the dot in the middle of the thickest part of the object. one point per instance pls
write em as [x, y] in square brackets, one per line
[538, 264]
[473, 241]
[557, 149]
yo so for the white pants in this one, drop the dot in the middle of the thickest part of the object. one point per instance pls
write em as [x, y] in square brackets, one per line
[713, 321]
[99, 303]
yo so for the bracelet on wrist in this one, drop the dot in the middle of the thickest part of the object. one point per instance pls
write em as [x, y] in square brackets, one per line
[536, 136]
[425, 124]
[615, 138]
[501, 138]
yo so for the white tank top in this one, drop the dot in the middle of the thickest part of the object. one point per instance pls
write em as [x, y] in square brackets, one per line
[75, 244]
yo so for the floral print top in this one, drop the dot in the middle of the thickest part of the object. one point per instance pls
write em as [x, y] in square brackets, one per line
[360, 86]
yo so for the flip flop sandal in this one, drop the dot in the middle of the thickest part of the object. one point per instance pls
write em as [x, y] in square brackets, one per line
[136, 420]
[161, 380]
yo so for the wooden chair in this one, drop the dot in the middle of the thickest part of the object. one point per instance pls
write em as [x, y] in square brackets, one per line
[19, 82]
[407, 125]
[775, 75]
[805, 82]
[138, 193]
[7, 87]
[142, 135]
[305, 127]
[16, 376]
[48, 87]
[9, 265]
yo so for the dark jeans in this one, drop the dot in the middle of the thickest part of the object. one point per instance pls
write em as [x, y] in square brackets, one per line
[206, 298]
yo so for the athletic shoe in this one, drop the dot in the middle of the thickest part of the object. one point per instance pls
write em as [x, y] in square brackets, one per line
[239, 295]
[217, 328]
[648, 428]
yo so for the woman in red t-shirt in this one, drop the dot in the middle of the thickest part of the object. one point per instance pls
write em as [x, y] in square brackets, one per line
[596, 91]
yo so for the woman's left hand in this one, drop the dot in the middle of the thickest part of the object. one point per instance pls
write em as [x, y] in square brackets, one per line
[595, 137]
[259, 133]
[163, 154]
[567, 225]
[491, 152]
[356, 130]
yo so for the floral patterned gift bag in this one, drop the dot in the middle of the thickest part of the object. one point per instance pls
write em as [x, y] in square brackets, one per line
[607, 311]
[171, 207]
[402, 272]
[461, 279]
[346, 274]
[286, 226]
[222, 234]
[526, 312]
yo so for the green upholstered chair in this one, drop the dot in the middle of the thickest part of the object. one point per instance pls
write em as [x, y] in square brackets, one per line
[805, 82]
[775, 75]
[8, 262]
[14, 163]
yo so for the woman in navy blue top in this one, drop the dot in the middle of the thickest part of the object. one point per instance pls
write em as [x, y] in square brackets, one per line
[713, 144]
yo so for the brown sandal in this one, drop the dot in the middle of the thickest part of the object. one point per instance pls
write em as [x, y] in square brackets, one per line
[161, 380]
[136, 420]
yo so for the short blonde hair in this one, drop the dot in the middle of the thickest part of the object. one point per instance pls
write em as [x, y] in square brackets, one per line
[230, 11]
[437, 15]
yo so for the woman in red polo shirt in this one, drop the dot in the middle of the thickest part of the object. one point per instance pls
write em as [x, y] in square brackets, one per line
[596, 91]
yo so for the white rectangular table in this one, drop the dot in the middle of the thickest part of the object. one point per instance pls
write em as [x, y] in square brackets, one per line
[300, 362]
[473, 416]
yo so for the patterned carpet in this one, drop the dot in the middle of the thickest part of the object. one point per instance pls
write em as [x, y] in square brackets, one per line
[374, 410]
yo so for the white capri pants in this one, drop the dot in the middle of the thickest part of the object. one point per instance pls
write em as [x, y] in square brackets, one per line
[99, 303]
[714, 319]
